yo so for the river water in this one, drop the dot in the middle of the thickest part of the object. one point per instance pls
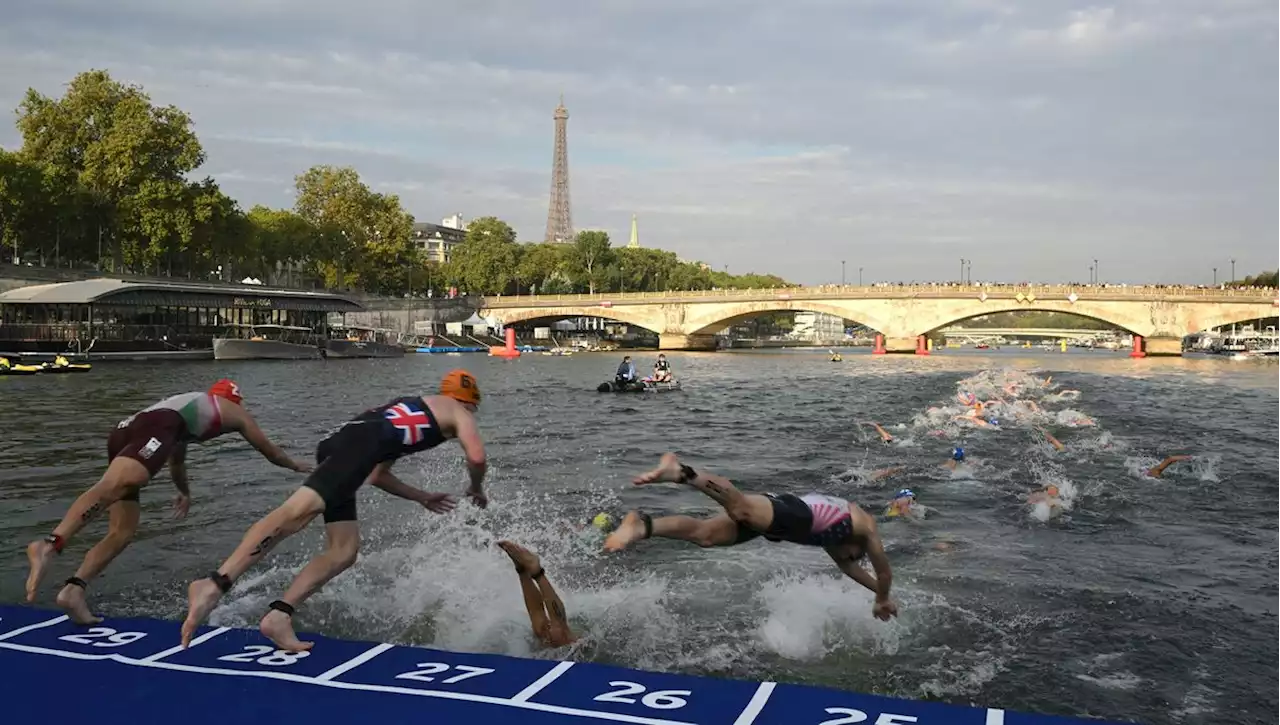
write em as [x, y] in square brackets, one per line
[1146, 600]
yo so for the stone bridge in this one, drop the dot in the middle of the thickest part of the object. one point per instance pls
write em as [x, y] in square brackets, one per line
[1158, 317]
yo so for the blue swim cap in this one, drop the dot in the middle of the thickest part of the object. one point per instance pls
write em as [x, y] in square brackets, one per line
[905, 493]
[957, 454]
[993, 421]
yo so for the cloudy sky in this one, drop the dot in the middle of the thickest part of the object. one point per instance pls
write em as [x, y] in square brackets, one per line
[896, 135]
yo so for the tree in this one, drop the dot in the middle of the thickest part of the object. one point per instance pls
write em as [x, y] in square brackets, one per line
[542, 267]
[20, 200]
[284, 242]
[591, 252]
[1265, 279]
[486, 261]
[358, 232]
[127, 156]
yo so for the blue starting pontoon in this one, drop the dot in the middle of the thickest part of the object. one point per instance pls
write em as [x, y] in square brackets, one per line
[133, 671]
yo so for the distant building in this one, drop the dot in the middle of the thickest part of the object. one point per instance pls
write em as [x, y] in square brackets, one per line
[818, 327]
[436, 241]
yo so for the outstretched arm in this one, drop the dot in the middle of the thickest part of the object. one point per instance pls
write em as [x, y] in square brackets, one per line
[383, 478]
[248, 428]
[884, 434]
[879, 562]
[1155, 472]
[178, 469]
[851, 569]
[473, 448]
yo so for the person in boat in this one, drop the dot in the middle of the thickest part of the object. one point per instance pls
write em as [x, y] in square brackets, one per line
[1158, 470]
[137, 449]
[362, 451]
[546, 611]
[662, 370]
[839, 527]
[626, 371]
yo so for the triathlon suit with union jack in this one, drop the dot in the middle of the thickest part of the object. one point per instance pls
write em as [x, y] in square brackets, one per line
[346, 458]
[811, 520]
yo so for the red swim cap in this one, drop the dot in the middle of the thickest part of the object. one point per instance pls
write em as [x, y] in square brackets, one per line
[228, 389]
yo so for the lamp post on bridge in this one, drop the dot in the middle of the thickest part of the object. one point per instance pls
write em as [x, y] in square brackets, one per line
[1091, 277]
[859, 276]
[1215, 276]
[1233, 271]
[962, 270]
[842, 273]
[969, 274]
[1097, 273]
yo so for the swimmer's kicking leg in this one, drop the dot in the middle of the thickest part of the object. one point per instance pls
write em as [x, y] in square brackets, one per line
[547, 615]
[716, 531]
[289, 518]
[749, 509]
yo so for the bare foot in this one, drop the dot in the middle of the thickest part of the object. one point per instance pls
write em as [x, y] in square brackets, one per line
[72, 601]
[628, 532]
[203, 595]
[38, 555]
[278, 627]
[526, 561]
[668, 471]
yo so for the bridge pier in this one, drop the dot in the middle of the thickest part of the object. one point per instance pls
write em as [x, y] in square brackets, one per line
[903, 345]
[1162, 346]
[676, 341]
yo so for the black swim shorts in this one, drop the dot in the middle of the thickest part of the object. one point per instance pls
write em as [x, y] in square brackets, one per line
[345, 460]
[793, 522]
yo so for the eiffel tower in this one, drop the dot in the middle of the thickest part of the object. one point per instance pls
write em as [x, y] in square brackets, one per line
[559, 220]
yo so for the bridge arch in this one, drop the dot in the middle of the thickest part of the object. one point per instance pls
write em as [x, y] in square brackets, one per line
[954, 314]
[718, 317]
[1229, 317]
[616, 314]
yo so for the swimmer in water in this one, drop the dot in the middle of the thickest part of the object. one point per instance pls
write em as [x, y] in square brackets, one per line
[546, 612]
[1047, 493]
[1052, 441]
[137, 449]
[957, 458]
[904, 504]
[841, 528]
[361, 451]
[1157, 470]
[884, 434]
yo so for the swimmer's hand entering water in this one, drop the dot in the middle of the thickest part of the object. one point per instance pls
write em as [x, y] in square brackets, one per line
[438, 503]
[884, 609]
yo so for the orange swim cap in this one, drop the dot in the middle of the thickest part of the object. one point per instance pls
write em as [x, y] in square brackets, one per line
[1052, 490]
[226, 388]
[461, 386]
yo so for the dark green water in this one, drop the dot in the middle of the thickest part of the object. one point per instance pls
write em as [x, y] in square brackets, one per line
[1153, 601]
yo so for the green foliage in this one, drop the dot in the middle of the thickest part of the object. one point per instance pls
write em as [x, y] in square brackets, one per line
[1265, 279]
[104, 180]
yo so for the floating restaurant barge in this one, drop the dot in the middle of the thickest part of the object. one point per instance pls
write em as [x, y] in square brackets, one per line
[113, 318]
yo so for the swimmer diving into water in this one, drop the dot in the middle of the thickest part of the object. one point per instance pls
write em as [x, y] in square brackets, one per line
[841, 528]
[137, 449]
[361, 451]
[546, 612]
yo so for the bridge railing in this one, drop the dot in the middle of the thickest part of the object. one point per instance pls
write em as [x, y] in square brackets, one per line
[1058, 291]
